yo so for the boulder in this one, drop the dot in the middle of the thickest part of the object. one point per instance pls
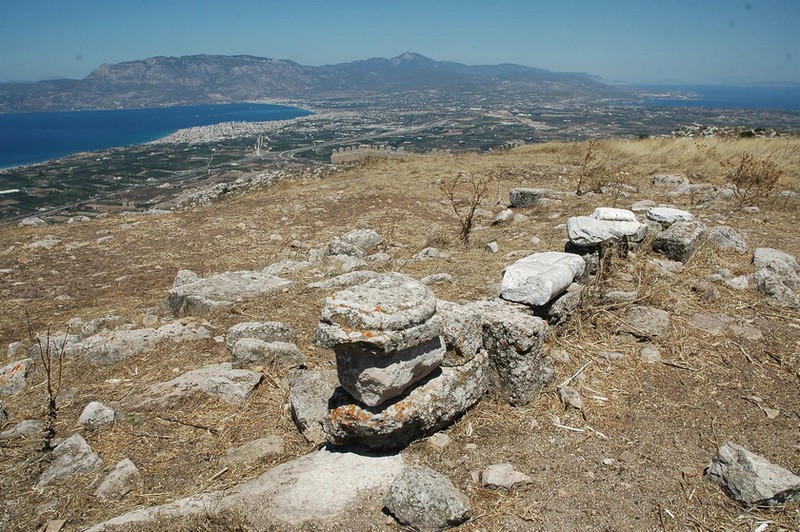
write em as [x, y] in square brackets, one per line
[373, 376]
[775, 259]
[772, 285]
[751, 480]
[222, 291]
[31, 221]
[320, 485]
[218, 380]
[424, 499]
[667, 216]
[252, 353]
[3, 416]
[365, 239]
[123, 479]
[727, 239]
[780, 265]
[14, 376]
[645, 322]
[391, 313]
[97, 416]
[268, 331]
[71, 457]
[434, 404]
[681, 240]
[309, 393]
[538, 278]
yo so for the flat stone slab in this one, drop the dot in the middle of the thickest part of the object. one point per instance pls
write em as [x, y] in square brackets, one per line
[267, 331]
[538, 278]
[222, 291]
[428, 408]
[667, 216]
[603, 225]
[373, 377]
[109, 347]
[391, 313]
[321, 485]
[218, 380]
[645, 322]
[751, 480]
[680, 240]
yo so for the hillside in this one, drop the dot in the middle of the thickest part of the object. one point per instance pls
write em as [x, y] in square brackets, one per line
[192, 80]
[631, 459]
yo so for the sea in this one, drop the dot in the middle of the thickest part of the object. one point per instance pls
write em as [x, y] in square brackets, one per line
[727, 97]
[27, 138]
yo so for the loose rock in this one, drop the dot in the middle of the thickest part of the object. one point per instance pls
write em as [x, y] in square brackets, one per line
[252, 353]
[14, 376]
[426, 500]
[123, 479]
[504, 476]
[309, 393]
[97, 416]
[71, 457]
[681, 240]
[751, 480]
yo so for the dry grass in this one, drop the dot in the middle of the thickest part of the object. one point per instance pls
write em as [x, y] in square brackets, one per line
[654, 419]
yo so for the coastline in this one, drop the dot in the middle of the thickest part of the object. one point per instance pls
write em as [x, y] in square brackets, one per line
[194, 135]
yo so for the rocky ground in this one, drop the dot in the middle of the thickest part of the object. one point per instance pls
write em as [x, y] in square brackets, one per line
[183, 400]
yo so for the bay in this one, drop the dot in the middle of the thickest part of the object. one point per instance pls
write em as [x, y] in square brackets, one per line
[27, 138]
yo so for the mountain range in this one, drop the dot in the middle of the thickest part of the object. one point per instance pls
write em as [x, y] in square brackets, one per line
[197, 79]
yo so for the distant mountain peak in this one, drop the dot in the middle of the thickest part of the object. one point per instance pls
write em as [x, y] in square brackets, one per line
[412, 57]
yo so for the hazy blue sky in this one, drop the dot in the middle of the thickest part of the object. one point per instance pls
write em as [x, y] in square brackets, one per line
[753, 41]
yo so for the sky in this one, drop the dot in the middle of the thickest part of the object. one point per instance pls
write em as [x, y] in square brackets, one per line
[629, 41]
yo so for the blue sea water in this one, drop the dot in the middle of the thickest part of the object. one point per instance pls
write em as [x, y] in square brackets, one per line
[27, 138]
[727, 97]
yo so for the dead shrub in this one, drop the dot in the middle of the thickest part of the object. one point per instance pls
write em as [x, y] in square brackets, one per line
[754, 179]
[465, 192]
